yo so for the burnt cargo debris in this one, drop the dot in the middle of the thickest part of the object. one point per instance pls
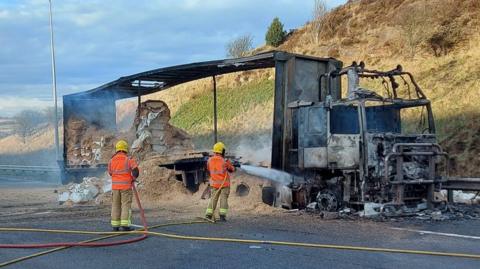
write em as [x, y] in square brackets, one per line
[154, 133]
[87, 145]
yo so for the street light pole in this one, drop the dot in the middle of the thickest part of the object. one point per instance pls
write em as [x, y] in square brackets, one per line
[54, 88]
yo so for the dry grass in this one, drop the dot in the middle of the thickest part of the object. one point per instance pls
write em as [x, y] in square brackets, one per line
[38, 141]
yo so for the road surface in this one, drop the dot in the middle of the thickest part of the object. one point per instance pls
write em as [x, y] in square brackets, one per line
[158, 252]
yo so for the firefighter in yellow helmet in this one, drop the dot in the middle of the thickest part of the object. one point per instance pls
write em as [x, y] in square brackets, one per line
[123, 170]
[219, 169]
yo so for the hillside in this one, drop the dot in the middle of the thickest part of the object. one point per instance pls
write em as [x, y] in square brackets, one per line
[35, 149]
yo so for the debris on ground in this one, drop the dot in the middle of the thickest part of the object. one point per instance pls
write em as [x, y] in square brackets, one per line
[86, 191]
[312, 206]
[442, 212]
[464, 197]
[329, 215]
[371, 209]
[159, 186]
[157, 183]
[345, 211]
[462, 210]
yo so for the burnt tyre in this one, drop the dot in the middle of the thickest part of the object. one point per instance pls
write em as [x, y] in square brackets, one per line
[327, 201]
[268, 195]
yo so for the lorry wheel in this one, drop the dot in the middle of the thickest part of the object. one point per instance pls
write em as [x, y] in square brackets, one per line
[327, 201]
[268, 195]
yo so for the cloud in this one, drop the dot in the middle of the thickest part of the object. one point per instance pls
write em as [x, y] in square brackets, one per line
[98, 41]
[9, 105]
[44, 90]
[87, 19]
[4, 14]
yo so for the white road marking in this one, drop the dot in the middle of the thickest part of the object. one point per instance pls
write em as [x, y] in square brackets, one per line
[136, 225]
[42, 213]
[437, 233]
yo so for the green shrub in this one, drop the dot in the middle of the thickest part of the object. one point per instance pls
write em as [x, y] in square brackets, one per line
[275, 34]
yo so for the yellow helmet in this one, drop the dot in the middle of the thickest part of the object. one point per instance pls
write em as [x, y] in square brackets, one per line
[121, 145]
[219, 148]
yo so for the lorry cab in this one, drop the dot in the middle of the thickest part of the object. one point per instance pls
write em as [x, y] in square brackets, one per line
[364, 147]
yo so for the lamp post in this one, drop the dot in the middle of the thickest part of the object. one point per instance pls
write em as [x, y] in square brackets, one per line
[54, 86]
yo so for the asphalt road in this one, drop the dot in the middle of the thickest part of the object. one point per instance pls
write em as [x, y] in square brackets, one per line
[158, 252]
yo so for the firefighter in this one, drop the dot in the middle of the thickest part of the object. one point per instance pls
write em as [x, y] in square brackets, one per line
[219, 170]
[123, 170]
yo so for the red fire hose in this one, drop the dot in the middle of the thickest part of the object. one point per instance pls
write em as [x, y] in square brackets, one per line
[105, 244]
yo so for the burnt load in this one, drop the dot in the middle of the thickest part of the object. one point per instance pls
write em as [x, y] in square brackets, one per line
[155, 135]
[89, 145]
[363, 148]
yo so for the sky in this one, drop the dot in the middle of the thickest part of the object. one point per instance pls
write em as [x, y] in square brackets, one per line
[97, 41]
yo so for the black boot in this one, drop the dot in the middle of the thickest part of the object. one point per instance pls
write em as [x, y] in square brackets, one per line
[115, 229]
[223, 218]
[126, 228]
[209, 217]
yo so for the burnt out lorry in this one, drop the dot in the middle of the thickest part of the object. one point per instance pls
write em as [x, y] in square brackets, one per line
[346, 135]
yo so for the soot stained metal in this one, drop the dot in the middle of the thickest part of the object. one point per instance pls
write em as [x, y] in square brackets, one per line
[357, 149]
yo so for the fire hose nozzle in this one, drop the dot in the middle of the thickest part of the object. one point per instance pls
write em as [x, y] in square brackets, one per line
[236, 163]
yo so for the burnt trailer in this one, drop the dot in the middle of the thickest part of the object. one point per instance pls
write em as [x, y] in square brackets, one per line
[97, 107]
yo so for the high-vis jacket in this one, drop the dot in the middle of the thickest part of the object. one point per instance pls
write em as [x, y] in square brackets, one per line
[120, 168]
[219, 169]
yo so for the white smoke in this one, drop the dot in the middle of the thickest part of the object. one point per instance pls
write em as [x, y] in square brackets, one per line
[255, 150]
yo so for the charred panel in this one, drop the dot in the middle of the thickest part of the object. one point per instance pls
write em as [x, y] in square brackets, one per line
[298, 80]
[313, 127]
[344, 120]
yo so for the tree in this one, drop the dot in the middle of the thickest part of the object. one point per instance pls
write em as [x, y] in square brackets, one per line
[275, 34]
[239, 46]
[319, 12]
[26, 121]
[415, 27]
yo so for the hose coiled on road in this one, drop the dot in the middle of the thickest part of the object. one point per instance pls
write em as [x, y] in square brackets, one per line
[145, 232]
[89, 244]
